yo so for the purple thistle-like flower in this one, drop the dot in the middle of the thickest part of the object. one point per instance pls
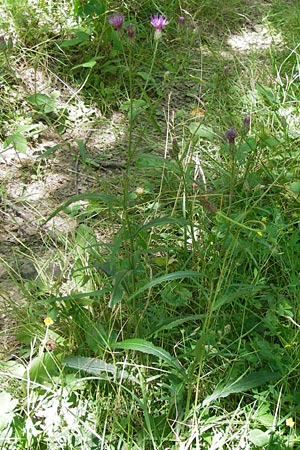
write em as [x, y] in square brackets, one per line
[158, 21]
[130, 29]
[231, 135]
[116, 21]
[181, 20]
[247, 121]
[246, 124]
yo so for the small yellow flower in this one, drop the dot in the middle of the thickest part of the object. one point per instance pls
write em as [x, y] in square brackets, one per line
[259, 233]
[140, 190]
[264, 219]
[48, 321]
[289, 422]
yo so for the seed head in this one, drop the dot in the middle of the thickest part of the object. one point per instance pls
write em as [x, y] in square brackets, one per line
[130, 29]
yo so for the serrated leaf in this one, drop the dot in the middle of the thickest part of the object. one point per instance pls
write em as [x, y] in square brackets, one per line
[141, 345]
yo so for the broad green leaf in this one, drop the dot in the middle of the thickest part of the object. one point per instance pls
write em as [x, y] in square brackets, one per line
[267, 94]
[164, 278]
[88, 64]
[141, 345]
[91, 294]
[271, 141]
[39, 99]
[175, 294]
[92, 7]
[82, 149]
[242, 384]
[105, 198]
[91, 365]
[42, 368]
[236, 292]
[12, 367]
[81, 37]
[145, 77]
[118, 288]
[174, 323]
[46, 103]
[51, 150]
[147, 160]
[295, 187]
[135, 107]
[160, 222]
[7, 405]
[202, 131]
[135, 104]
[71, 42]
[18, 141]
[197, 79]
[259, 438]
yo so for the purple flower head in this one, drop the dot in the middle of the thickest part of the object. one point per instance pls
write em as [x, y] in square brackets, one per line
[247, 122]
[231, 135]
[130, 29]
[116, 21]
[158, 21]
[181, 20]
